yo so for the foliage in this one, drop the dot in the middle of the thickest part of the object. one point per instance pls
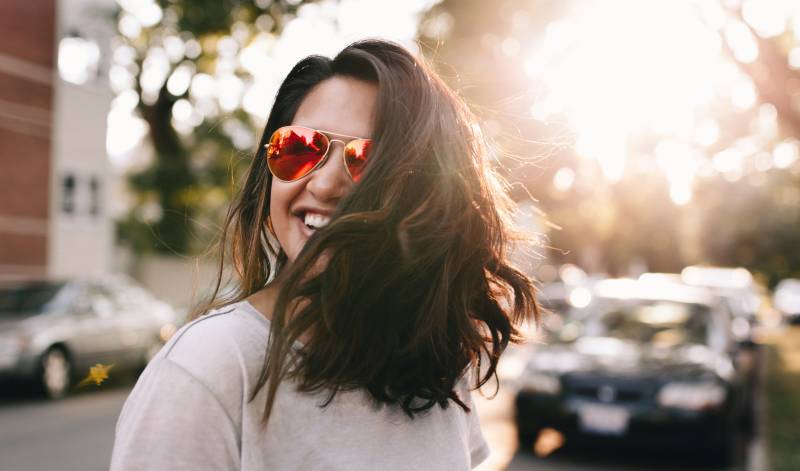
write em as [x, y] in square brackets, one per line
[743, 217]
[181, 195]
[783, 400]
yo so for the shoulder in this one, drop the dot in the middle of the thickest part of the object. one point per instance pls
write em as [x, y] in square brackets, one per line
[223, 349]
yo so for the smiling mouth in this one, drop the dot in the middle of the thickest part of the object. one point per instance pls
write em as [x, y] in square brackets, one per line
[314, 221]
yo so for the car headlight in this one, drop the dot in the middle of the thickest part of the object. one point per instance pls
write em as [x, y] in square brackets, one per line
[167, 331]
[538, 382]
[11, 346]
[692, 396]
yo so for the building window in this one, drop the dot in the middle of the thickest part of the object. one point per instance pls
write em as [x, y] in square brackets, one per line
[68, 194]
[94, 196]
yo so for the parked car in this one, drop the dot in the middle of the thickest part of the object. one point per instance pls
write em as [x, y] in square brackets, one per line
[787, 299]
[740, 295]
[740, 292]
[650, 363]
[52, 332]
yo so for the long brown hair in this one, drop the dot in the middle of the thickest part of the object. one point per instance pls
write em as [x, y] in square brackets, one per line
[416, 286]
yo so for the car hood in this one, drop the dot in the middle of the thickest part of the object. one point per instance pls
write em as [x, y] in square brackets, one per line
[621, 358]
[20, 322]
[8, 323]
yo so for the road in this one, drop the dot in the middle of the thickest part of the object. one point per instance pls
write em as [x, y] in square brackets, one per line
[77, 433]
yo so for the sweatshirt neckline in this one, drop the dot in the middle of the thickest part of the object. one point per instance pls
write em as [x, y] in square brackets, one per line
[255, 312]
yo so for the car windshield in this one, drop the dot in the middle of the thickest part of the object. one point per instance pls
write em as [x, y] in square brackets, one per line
[659, 323]
[27, 298]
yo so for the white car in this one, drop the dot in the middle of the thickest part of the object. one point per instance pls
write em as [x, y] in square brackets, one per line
[53, 331]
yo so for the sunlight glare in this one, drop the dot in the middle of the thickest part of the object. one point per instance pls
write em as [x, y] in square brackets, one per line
[679, 162]
[229, 89]
[202, 86]
[175, 48]
[146, 12]
[78, 59]
[767, 17]
[180, 79]
[125, 129]
[619, 68]
[182, 110]
[680, 193]
[741, 41]
[706, 133]
[608, 147]
[129, 26]
[743, 93]
[563, 179]
[728, 160]
[155, 70]
[785, 154]
[794, 58]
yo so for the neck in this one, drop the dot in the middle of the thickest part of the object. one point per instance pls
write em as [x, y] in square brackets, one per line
[264, 299]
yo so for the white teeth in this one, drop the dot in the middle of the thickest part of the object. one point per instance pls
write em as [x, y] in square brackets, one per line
[316, 220]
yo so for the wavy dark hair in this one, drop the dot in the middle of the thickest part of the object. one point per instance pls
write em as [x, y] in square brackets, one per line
[416, 287]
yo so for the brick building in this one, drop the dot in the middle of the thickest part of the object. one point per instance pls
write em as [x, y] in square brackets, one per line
[53, 161]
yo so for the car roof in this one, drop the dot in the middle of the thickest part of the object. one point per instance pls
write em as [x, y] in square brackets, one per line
[717, 277]
[651, 277]
[789, 284]
[654, 290]
[111, 278]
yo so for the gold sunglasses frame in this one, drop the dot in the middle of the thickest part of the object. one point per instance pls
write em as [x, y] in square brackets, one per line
[331, 137]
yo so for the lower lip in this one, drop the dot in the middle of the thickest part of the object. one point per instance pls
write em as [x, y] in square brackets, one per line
[305, 230]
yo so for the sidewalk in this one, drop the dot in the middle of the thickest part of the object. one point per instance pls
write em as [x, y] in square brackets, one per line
[782, 399]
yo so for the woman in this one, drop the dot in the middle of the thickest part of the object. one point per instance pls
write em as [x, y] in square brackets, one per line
[369, 241]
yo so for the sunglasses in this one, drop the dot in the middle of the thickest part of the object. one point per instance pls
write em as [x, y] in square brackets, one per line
[295, 151]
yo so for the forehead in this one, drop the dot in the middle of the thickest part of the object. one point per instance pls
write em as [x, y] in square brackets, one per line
[342, 105]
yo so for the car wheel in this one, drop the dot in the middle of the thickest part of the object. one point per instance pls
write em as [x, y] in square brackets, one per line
[748, 418]
[722, 449]
[527, 437]
[55, 373]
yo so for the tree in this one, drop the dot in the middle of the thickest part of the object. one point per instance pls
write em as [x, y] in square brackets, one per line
[165, 46]
[744, 213]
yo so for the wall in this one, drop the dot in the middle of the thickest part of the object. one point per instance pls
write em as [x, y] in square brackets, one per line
[27, 56]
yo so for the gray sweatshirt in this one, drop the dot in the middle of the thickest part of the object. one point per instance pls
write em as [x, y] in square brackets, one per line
[189, 411]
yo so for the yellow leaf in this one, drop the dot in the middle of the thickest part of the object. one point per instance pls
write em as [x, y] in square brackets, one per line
[97, 374]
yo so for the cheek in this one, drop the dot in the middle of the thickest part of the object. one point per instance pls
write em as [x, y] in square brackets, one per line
[279, 200]
[282, 195]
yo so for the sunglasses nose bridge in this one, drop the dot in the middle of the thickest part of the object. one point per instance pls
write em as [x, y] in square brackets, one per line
[330, 146]
[330, 150]
[331, 141]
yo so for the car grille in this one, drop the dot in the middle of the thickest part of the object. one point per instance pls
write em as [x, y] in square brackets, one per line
[608, 390]
[620, 395]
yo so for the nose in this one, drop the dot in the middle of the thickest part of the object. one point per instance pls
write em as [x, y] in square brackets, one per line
[331, 181]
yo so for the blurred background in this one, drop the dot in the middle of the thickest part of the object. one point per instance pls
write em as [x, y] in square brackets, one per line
[652, 147]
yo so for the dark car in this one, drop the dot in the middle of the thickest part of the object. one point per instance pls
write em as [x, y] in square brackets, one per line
[52, 332]
[650, 363]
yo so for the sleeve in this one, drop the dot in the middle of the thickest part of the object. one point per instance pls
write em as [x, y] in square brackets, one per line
[478, 448]
[171, 420]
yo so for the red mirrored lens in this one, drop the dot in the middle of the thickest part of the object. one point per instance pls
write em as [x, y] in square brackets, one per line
[293, 152]
[356, 154]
